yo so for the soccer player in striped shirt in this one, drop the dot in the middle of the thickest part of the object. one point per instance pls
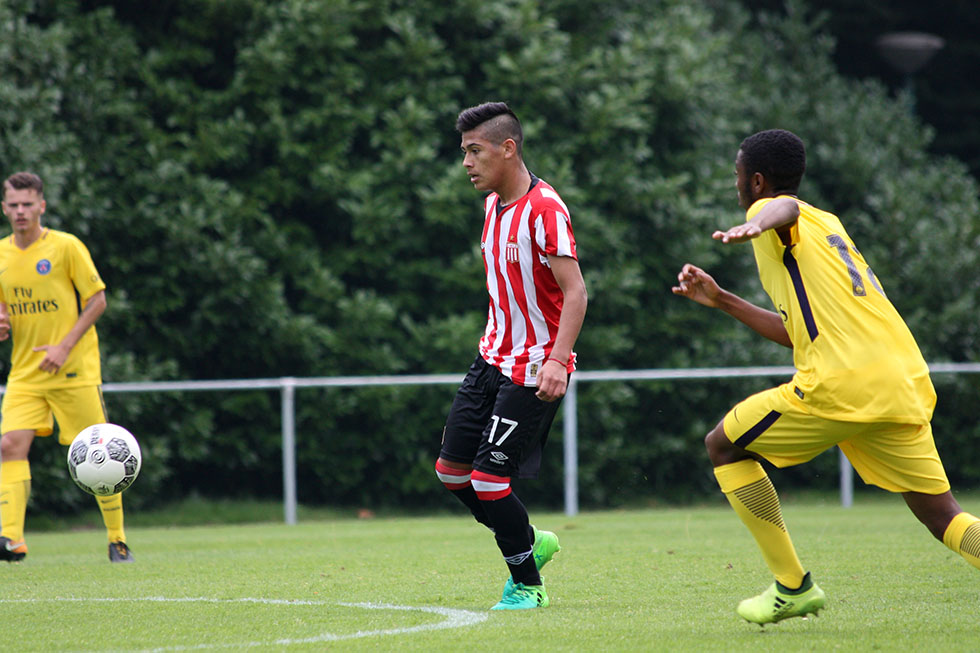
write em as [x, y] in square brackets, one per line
[499, 420]
[860, 383]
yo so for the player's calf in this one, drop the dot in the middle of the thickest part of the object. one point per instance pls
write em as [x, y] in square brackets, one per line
[457, 481]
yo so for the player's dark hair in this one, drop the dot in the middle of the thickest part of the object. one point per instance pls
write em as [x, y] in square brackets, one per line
[779, 155]
[498, 121]
[22, 181]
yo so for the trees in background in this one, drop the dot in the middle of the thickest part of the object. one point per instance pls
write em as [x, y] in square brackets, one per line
[275, 189]
[942, 92]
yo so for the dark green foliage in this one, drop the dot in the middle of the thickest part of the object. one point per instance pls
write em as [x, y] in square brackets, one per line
[274, 189]
[942, 91]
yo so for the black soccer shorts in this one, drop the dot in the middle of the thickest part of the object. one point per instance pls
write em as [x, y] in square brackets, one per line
[496, 425]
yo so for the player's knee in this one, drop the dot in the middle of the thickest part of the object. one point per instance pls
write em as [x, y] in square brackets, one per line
[451, 477]
[14, 446]
[711, 439]
[489, 487]
[720, 449]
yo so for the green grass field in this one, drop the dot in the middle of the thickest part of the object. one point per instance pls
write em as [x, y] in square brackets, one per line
[643, 580]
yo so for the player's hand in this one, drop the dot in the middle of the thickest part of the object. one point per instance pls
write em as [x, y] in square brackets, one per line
[694, 283]
[552, 380]
[54, 357]
[4, 326]
[739, 233]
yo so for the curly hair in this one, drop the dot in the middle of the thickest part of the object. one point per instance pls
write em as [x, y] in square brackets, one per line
[777, 154]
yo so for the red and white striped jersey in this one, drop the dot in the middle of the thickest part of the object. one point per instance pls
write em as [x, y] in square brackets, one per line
[525, 299]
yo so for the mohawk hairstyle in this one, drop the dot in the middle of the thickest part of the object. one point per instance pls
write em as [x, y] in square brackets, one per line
[779, 155]
[498, 121]
[23, 181]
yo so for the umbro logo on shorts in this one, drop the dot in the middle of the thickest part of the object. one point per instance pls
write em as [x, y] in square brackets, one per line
[499, 456]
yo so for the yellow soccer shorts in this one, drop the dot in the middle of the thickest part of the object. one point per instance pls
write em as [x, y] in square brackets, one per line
[36, 410]
[777, 426]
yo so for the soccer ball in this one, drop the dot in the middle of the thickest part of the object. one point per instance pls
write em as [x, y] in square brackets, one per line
[104, 459]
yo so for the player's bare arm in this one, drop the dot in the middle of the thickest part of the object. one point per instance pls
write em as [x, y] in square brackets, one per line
[553, 377]
[56, 355]
[699, 286]
[778, 214]
[4, 322]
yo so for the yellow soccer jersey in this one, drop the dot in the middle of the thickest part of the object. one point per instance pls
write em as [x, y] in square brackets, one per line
[39, 286]
[856, 359]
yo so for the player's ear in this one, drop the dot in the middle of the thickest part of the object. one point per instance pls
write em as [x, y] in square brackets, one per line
[510, 147]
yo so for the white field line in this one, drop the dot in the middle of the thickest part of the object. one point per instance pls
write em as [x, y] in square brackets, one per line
[452, 619]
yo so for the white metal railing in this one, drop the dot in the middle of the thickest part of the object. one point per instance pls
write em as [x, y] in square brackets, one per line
[570, 422]
[287, 386]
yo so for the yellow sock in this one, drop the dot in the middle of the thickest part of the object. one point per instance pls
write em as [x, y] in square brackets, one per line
[749, 490]
[15, 488]
[112, 515]
[963, 536]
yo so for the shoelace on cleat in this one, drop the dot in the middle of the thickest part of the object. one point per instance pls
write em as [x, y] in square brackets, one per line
[515, 597]
[518, 596]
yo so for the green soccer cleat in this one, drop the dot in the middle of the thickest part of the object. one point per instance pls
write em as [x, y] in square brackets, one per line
[545, 548]
[12, 551]
[120, 552]
[777, 603]
[524, 597]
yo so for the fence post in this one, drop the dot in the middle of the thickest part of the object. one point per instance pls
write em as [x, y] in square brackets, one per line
[570, 444]
[846, 480]
[288, 387]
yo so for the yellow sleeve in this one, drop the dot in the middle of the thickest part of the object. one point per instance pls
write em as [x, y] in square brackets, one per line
[776, 243]
[82, 270]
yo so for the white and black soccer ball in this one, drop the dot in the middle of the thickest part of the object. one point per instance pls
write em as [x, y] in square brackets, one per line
[104, 459]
